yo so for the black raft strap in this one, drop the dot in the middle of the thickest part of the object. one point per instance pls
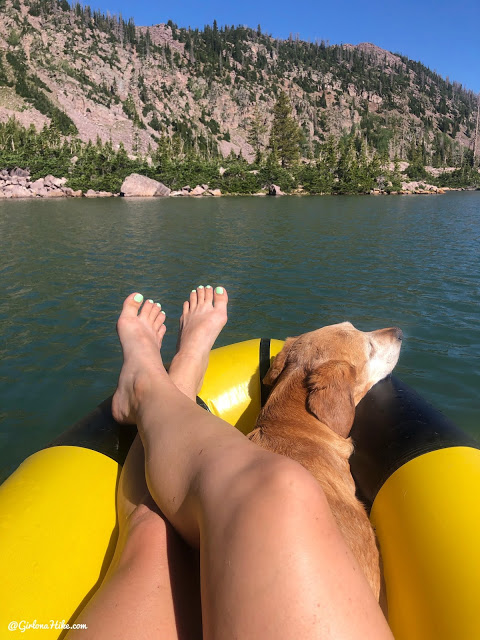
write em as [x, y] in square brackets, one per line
[264, 366]
[202, 404]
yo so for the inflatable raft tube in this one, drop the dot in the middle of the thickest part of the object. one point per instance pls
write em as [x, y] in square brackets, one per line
[416, 472]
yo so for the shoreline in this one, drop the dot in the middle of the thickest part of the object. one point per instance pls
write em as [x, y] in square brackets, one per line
[15, 184]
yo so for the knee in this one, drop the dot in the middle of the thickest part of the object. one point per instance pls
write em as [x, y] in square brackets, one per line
[281, 483]
[281, 478]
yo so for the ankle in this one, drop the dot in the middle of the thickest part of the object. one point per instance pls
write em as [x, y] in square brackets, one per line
[145, 383]
[186, 355]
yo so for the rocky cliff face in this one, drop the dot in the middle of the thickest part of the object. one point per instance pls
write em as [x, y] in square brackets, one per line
[214, 90]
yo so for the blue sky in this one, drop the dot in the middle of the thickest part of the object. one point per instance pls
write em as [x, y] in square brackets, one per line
[445, 36]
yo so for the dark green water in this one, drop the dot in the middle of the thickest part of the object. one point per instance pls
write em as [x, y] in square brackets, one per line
[290, 265]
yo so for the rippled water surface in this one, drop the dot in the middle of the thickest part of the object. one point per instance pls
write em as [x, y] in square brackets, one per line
[290, 265]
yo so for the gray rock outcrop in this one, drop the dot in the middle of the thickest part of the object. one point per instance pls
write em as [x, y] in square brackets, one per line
[16, 183]
[137, 186]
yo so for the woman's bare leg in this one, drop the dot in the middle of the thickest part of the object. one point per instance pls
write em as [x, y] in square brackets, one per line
[151, 589]
[273, 562]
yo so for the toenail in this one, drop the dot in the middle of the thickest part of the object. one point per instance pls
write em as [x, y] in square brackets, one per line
[219, 290]
[200, 286]
[208, 287]
[163, 313]
[138, 297]
[150, 301]
[158, 305]
[194, 291]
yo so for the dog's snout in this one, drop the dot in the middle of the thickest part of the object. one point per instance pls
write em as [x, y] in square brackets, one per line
[398, 333]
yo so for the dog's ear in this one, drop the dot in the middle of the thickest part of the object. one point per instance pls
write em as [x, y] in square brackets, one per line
[278, 364]
[330, 395]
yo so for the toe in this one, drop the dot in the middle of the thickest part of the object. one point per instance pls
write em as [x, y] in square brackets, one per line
[132, 305]
[193, 300]
[161, 331]
[147, 308]
[156, 308]
[201, 294]
[208, 294]
[159, 322]
[186, 307]
[220, 297]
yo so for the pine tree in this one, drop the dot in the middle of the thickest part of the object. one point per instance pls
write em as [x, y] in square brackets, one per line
[285, 134]
[256, 134]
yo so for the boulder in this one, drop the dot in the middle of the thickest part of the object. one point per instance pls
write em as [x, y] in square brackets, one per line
[51, 181]
[176, 193]
[5, 194]
[90, 193]
[19, 191]
[42, 192]
[55, 193]
[274, 190]
[215, 192]
[20, 173]
[162, 190]
[19, 180]
[205, 187]
[38, 184]
[77, 194]
[104, 194]
[198, 191]
[137, 186]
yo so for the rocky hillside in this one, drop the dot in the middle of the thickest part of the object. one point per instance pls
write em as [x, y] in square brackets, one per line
[214, 90]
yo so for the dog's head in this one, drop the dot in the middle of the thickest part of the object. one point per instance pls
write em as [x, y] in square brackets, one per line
[339, 364]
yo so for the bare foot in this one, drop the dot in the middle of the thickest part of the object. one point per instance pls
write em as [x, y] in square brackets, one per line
[204, 316]
[141, 337]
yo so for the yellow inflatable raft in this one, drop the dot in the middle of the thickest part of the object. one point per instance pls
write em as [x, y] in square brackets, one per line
[418, 473]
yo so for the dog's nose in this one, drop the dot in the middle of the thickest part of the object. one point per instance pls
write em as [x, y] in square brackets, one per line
[398, 333]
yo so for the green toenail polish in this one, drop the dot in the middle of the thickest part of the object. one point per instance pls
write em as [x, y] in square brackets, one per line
[194, 291]
[163, 313]
[150, 301]
[158, 305]
[200, 286]
[138, 297]
[219, 290]
[208, 287]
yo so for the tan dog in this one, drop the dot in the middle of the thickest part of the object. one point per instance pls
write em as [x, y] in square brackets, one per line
[318, 379]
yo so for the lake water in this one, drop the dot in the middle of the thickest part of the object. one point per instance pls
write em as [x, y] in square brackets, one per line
[290, 264]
